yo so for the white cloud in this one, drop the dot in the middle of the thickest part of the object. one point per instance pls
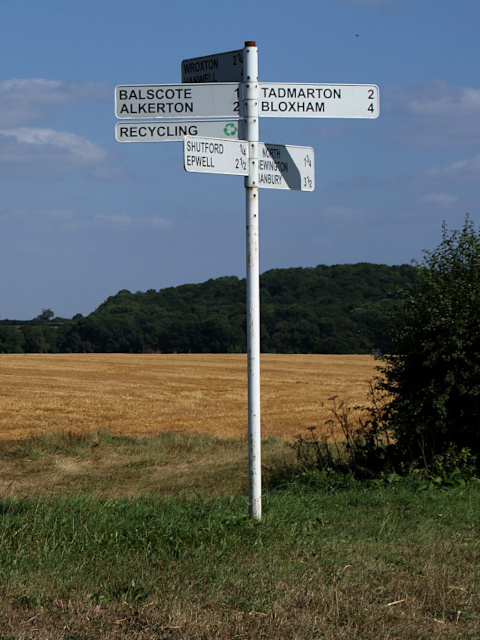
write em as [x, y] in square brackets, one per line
[433, 114]
[76, 147]
[59, 218]
[439, 199]
[61, 215]
[160, 223]
[127, 221]
[33, 151]
[28, 152]
[69, 219]
[117, 220]
[340, 211]
[26, 101]
[462, 171]
[370, 2]
[109, 173]
[438, 99]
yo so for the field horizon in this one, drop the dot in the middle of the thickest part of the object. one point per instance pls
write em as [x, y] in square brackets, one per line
[147, 395]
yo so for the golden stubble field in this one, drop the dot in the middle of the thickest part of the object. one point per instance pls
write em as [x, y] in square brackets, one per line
[144, 395]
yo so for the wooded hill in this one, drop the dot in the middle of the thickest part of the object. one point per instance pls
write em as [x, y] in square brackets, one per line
[325, 309]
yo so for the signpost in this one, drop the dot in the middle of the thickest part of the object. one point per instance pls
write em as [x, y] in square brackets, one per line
[216, 111]
[219, 67]
[176, 130]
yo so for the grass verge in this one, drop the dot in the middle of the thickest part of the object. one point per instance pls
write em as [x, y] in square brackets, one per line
[332, 561]
[101, 465]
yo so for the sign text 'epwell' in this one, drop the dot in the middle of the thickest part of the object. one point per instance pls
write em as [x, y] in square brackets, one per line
[210, 155]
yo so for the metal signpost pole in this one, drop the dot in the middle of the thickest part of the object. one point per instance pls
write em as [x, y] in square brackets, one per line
[251, 110]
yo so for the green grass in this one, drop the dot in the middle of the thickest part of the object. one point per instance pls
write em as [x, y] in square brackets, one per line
[106, 466]
[330, 560]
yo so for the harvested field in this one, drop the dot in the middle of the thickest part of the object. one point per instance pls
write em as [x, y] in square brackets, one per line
[144, 395]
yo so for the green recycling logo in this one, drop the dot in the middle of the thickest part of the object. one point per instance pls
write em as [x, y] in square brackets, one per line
[230, 129]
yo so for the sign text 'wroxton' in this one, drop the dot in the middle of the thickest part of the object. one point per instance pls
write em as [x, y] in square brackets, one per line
[219, 67]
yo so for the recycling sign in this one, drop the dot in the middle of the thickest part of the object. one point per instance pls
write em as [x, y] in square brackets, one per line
[177, 130]
[230, 129]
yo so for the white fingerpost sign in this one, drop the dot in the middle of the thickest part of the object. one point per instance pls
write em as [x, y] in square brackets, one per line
[319, 100]
[177, 130]
[286, 167]
[219, 67]
[212, 155]
[220, 100]
[216, 111]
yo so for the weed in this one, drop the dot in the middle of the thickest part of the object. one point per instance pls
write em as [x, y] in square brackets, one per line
[364, 450]
[454, 468]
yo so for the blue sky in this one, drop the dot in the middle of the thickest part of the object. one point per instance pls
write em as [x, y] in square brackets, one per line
[83, 216]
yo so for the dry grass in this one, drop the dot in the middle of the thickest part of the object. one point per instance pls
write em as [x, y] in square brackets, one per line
[146, 395]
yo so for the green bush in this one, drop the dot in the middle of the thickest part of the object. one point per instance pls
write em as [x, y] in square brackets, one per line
[432, 371]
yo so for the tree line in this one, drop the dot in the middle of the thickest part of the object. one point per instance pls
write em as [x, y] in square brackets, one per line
[323, 309]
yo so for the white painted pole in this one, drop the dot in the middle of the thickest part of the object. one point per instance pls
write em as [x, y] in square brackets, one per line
[251, 110]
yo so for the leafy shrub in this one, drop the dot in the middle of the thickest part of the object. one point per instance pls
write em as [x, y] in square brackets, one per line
[432, 372]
